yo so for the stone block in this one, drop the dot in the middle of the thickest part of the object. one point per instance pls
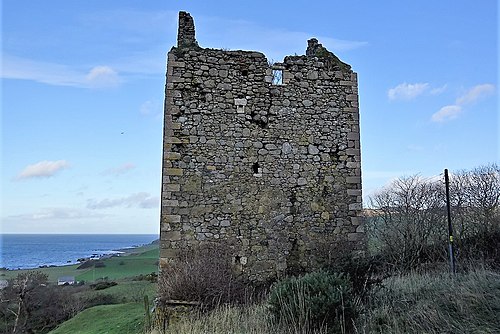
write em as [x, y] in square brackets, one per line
[172, 218]
[170, 202]
[353, 179]
[354, 192]
[174, 171]
[172, 187]
[350, 110]
[172, 235]
[172, 155]
[353, 136]
[352, 151]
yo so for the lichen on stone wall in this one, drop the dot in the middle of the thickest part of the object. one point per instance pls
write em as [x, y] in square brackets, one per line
[270, 168]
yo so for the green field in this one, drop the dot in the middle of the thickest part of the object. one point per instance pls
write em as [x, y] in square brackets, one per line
[106, 319]
[123, 266]
[141, 260]
[127, 291]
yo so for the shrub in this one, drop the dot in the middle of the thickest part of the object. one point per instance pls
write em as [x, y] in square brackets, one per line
[99, 299]
[314, 301]
[99, 264]
[203, 275]
[102, 285]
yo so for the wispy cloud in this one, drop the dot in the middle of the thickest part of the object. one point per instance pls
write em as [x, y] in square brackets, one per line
[450, 112]
[141, 200]
[247, 35]
[406, 91]
[475, 93]
[439, 90]
[116, 171]
[56, 213]
[42, 169]
[447, 113]
[58, 74]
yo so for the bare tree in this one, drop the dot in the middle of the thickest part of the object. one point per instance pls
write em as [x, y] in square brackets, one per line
[407, 217]
[408, 221]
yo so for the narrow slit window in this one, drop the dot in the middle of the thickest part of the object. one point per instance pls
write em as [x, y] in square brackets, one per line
[277, 77]
[257, 170]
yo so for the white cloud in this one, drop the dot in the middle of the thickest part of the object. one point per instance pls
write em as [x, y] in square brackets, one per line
[120, 169]
[475, 93]
[58, 74]
[407, 91]
[447, 113]
[450, 112]
[102, 77]
[42, 169]
[142, 200]
[439, 90]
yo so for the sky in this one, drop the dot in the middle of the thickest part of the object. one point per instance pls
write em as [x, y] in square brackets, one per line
[82, 89]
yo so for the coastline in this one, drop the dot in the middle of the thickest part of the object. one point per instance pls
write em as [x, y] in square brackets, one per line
[57, 269]
[31, 251]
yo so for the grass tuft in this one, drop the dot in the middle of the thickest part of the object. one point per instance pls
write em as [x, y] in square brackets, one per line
[435, 303]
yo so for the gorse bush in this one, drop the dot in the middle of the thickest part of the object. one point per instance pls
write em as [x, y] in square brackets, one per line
[318, 300]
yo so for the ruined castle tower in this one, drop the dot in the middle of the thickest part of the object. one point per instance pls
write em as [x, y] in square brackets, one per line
[264, 158]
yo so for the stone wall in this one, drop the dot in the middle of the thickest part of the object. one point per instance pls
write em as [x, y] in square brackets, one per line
[264, 158]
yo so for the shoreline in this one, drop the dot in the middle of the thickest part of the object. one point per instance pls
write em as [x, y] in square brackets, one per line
[105, 255]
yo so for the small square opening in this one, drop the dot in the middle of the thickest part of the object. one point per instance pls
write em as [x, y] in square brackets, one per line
[277, 77]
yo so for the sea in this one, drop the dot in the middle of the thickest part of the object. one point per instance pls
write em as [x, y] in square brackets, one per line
[25, 251]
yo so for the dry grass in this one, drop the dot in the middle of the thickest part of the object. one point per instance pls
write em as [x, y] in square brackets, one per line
[435, 303]
[250, 319]
[412, 303]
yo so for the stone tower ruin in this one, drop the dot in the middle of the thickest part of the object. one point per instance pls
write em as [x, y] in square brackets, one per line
[264, 158]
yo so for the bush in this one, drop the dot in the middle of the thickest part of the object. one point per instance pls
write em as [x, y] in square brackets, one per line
[203, 275]
[102, 285]
[313, 301]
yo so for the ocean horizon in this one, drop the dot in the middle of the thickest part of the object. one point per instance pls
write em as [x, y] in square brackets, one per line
[31, 251]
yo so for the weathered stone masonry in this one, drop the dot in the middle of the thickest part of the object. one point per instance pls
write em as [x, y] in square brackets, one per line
[264, 158]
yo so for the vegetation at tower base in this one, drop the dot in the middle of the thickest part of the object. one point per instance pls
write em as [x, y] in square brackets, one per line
[314, 301]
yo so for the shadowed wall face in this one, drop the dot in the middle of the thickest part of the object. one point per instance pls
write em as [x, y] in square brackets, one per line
[263, 158]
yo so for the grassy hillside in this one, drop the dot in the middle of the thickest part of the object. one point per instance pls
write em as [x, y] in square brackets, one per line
[110, 319]
[123, 266]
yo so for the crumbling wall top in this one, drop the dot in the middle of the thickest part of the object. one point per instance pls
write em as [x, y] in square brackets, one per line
[186, 34]
[315, 49]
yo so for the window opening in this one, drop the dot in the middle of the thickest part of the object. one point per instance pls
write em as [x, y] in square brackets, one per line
[255, 168]
[257, 171]
[277, 77]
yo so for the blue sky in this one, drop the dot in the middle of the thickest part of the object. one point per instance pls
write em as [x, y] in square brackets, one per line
[83, 88]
